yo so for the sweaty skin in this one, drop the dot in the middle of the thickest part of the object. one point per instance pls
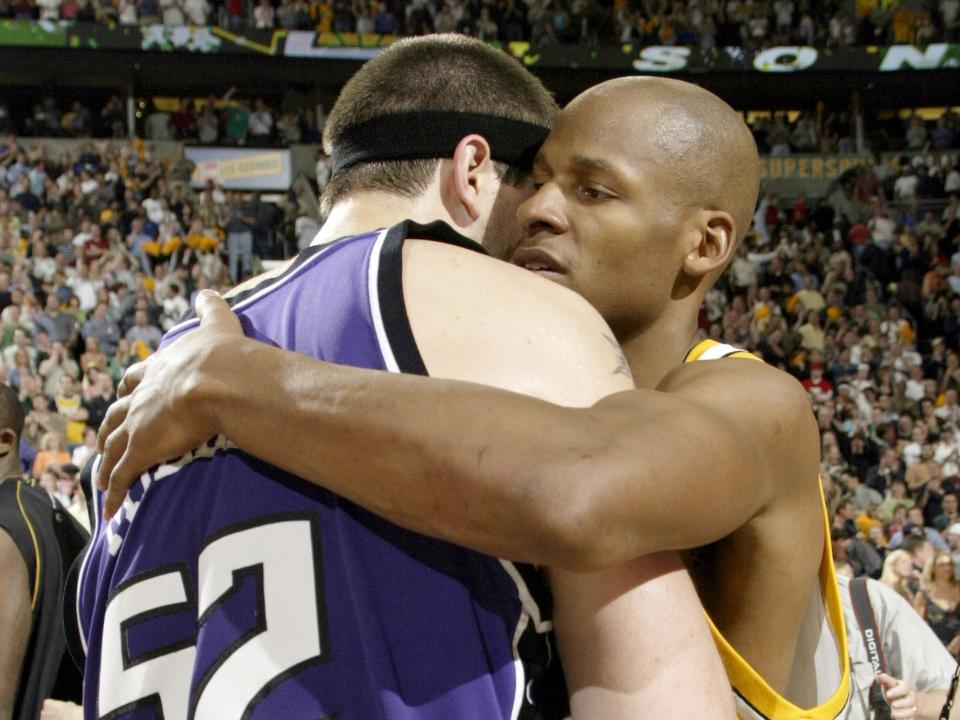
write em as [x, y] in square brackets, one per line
[644, 188]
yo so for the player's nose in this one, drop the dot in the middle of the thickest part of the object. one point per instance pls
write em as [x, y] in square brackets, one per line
[544, 211]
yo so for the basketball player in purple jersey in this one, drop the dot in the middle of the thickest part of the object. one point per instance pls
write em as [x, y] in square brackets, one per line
[227, 588]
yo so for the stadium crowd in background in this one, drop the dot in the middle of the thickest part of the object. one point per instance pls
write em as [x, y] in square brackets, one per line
[236, 120]
[101, 250]
[706, 24]
[857, 294]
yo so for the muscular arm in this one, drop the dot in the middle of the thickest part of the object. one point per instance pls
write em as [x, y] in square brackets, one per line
[501, 473]
[14, 621]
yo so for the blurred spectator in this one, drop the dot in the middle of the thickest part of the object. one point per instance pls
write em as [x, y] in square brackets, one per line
[260, 124]
[938, 601]
[264, 15]
[51, 453]
[897, 572]
[143, 337]
[173, 16]
[238, 223]
[157, 125]
[862, 557]
[184, 121]
[49, 9]
[197, 12]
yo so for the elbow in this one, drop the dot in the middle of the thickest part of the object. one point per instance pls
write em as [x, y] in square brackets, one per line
[575, 533]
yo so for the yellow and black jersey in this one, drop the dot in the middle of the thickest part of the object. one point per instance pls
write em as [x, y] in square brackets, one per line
[39, 527]
[756, 700]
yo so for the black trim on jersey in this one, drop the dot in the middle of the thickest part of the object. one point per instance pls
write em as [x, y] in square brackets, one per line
[71, 620]
[749, 704]
[392, 308]
[439, 231]
[71, 623]
[153, 700]
[130, 660]
[259, 627]
[319, 593]
[238, 575]
[537, 587]
[544, 695]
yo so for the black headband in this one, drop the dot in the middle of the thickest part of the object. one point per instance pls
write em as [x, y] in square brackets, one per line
[435, 134]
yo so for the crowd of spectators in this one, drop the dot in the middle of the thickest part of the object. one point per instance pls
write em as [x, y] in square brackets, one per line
[236, 120]
[834, 132]
[858, 296]
[226, 120]
[101, 250]
[705, 24]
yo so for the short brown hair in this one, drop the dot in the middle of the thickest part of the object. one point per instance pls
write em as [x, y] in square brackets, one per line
[435, 72]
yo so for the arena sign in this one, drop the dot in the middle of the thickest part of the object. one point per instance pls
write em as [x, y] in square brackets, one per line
[812, 167]
[353, 47]
[240, 169]
[780, 59]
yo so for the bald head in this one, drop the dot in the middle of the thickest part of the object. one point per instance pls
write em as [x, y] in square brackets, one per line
[708, 149]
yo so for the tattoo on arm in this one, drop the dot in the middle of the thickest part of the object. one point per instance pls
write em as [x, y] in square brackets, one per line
[623, 368]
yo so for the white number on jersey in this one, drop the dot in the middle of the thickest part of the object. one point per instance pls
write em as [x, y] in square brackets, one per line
[289, 632]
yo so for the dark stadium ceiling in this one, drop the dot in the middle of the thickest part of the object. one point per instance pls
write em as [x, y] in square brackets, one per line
[186, 74]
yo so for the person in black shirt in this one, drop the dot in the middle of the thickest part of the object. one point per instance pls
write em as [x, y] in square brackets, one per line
[38, 541]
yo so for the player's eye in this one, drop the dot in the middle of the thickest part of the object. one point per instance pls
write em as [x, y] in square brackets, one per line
[594, 193]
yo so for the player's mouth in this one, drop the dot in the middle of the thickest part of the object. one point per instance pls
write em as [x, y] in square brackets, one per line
[538, 261]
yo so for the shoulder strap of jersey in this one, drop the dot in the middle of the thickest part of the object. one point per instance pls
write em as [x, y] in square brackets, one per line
[713, 350]
[441, 232]
[867, 620]
[386, 289]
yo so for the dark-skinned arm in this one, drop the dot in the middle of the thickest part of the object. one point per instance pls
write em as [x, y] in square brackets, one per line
[498, 472]
[14, 622]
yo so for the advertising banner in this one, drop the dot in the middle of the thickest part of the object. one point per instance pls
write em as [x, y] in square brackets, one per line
[624, 58]
[240, 168]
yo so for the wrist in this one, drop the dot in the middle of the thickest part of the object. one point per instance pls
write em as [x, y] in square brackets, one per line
[227, 370]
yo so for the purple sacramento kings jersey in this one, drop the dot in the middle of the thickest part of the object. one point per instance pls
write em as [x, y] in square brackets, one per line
[228, 589]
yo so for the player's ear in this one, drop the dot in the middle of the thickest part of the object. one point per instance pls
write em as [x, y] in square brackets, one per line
[471, 167]
[8, 441]
[713, 241]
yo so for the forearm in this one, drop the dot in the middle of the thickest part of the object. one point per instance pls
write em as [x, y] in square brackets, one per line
[930, 703]
[473, 469]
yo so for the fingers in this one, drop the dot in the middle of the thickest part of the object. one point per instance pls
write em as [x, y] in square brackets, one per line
[107, 478]
[113, 498]
[908, 712]
[215, 313]
[123, 476]
[887, 681]
[900, 695]
[116, 414]
[131, 378]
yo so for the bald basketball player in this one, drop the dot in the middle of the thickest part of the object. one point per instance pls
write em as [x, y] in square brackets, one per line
[645, 187]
